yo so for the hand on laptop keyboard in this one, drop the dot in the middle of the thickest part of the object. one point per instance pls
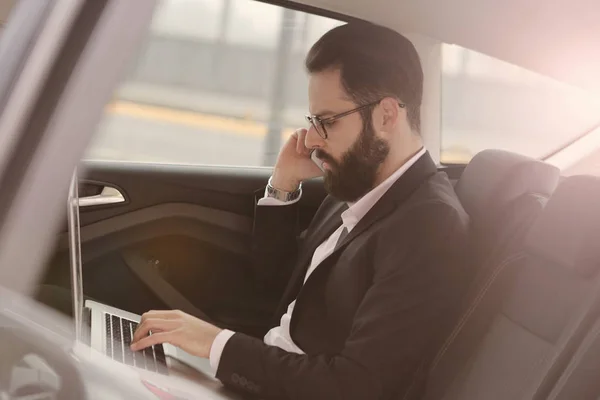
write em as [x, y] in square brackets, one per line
[177, 328]
[119, 335]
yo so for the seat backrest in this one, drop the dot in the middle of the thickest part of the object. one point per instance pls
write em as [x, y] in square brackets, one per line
[503, 193]
[530, 314]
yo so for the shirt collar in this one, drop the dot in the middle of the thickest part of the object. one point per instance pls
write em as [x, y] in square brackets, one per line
[360, 208]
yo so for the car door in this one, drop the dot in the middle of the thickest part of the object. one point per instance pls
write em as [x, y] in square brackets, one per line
[184, 150]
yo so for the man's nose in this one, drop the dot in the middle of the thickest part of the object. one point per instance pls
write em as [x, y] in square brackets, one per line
[313, 140]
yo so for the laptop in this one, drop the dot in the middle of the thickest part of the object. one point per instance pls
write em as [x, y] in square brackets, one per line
[110, 330]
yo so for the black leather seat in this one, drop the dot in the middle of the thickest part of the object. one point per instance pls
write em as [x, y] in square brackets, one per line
[532, 311]
[579, 380]
[503, 193]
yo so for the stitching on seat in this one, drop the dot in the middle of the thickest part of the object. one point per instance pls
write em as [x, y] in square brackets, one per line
[578, 357]
[414, 381]
[462, 321]
[541, 198]
[474, 305]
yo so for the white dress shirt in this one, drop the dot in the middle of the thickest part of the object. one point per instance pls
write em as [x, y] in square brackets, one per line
[280, 335]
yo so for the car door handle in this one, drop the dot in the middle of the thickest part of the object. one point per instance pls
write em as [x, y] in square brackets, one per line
[108, 195]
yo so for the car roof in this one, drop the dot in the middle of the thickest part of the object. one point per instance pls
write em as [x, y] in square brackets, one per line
[559, 39]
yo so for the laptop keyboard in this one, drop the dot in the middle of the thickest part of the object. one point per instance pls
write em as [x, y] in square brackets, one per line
[119, 334]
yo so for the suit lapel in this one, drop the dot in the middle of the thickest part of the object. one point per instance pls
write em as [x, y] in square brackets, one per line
[331, 221]
[322, 230]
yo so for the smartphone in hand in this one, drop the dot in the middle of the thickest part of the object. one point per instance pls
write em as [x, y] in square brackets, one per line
[316, 160]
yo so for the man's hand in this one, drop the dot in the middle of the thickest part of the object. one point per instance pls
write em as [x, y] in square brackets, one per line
[177, 328]
[294, 164]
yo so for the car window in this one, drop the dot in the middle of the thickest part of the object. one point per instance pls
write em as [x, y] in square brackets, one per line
[488, 103]
[216, 82]
[222, 82]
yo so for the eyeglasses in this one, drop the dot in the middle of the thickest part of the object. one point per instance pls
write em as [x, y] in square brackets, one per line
[320, 124]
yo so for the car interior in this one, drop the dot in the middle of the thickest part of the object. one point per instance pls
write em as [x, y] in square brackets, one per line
[530, 321]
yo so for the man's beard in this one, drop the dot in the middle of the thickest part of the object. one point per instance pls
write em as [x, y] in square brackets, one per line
[355, 175]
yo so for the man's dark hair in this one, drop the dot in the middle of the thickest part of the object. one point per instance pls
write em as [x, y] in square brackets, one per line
[374, 62]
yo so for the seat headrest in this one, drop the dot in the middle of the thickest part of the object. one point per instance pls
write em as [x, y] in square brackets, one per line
[568, 230]
[494, 178]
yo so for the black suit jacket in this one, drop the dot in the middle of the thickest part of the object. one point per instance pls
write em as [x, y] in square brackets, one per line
[371, 313]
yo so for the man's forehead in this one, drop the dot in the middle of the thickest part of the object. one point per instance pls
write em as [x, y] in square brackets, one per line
[326, 94]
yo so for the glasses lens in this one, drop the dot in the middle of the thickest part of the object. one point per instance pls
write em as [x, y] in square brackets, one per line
[318, 125]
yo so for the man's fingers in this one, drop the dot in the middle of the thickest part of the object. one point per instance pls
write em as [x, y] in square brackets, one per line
[300, 145]
[162, 314]
[157, 338]
[153, 324]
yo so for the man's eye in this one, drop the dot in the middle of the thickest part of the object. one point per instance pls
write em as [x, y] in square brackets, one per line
[327, 124]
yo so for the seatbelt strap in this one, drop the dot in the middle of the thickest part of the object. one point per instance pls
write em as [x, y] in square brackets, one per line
[159, 286]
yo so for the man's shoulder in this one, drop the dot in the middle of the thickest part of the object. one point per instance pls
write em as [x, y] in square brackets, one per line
[434, 205]
[438, 188]
[430, 225]
[435, 191]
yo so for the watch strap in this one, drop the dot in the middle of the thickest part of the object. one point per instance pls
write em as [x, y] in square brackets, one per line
[282, 195]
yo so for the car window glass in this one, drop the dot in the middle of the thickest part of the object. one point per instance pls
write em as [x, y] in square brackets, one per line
[202, 88]
[202, 91]
[488, 103]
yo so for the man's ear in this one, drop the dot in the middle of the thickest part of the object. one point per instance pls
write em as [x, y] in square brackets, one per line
[390, 113]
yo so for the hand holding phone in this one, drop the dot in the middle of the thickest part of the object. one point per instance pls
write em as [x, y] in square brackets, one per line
[295, 163]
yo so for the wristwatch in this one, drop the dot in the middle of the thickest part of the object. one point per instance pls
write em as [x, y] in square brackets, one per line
[280, 194]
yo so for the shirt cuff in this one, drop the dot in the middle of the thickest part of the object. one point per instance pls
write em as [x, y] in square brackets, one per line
[216, 350]
[271, 201]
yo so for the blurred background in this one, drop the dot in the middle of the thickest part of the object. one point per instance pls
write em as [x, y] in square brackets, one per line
[222, 82]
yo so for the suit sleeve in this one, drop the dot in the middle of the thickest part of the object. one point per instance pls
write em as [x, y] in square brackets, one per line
[275, 237]
[399, 318]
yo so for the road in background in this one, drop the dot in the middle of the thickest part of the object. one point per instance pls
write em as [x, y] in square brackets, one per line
[142, 133]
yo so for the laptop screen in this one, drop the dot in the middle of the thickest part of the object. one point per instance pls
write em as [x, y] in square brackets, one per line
[75, 255]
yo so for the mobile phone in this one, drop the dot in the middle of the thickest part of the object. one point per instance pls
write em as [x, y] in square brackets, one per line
[316, 160]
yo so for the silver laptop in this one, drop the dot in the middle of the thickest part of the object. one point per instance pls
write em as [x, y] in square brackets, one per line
[110, 330]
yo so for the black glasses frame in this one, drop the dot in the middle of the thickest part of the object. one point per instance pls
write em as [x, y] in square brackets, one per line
[319, 123]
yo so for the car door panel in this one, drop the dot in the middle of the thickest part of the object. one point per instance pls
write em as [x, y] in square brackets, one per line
[193, 224]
